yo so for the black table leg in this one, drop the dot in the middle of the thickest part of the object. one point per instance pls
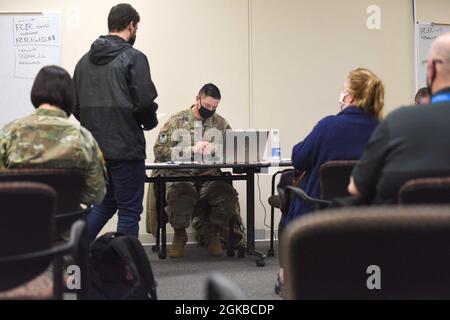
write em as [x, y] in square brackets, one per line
[156, 247]
[162, 223]
[251, 220]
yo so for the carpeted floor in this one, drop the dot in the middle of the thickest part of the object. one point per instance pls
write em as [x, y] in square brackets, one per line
[185, 279]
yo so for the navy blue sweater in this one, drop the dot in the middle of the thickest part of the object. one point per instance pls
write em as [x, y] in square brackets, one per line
[340, 137]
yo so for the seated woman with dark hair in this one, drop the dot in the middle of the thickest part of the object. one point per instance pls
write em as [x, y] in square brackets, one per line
[48, 139]
[340, 137]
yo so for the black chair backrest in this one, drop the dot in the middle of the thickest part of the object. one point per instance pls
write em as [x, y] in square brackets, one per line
[218, 287]
[426, 191]
[286, 179]
[335, 177]
[68, 184]
[26, 225]
[369, 253]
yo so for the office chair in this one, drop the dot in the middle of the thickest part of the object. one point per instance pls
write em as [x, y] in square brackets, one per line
[218, 287]
[68, 184]
[27, 233]
[287, 177]
[425, 191]
[334, 179]
[369, 253]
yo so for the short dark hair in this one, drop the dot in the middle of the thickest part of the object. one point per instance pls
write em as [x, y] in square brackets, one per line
[120, 17]
[210, 90]
[422, 93]
[53, 85]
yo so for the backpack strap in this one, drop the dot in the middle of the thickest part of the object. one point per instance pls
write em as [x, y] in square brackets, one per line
[147, 272]
[138, 261]
[122, 249]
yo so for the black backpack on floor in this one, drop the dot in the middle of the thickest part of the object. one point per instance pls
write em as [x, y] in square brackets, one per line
[120, 269]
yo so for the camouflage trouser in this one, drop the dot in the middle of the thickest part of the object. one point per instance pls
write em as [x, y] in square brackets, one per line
[215, 202]
[186, 200]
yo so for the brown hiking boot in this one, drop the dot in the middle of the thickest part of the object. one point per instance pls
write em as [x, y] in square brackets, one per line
[213, 240]
[179, 241]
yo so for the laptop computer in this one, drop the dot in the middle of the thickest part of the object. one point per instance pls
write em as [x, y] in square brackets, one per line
[238, 147]
[245, 146]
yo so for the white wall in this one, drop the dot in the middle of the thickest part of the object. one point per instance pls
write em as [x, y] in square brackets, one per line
[279, 63]
[433, 11]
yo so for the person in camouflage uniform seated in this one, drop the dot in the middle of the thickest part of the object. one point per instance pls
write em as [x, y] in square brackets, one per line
[48, 139]
[213, 203]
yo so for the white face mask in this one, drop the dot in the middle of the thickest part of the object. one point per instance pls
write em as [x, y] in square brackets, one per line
[341, 100]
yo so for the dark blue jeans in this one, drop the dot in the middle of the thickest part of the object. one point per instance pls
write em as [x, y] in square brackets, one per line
[125, 193]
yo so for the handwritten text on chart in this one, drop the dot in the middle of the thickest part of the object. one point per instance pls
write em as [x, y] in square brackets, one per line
[34, 31]
[30, 56]
[35, 40]
[430, 32]
[36, 43]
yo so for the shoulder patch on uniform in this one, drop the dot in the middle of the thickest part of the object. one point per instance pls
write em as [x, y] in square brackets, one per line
[163, 138]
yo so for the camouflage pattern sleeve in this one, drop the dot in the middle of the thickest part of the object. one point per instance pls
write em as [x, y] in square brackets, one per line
[7, 134]
[227, 125]
[94, 189]
[167, 140]
[3, 147]
[163, 144]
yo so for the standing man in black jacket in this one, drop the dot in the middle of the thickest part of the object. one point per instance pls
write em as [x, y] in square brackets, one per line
[116, 96]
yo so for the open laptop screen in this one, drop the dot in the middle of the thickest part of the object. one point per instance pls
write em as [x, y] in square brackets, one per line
[245, 146]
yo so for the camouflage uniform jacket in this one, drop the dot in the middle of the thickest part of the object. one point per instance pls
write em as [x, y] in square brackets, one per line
[48, 139]
[186, 121]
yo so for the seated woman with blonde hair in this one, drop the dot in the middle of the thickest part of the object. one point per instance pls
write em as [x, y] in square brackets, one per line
[338, 137]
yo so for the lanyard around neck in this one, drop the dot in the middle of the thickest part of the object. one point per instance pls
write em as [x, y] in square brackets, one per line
[441, 97]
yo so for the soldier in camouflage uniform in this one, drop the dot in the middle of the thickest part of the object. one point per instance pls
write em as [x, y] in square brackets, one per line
[211, 203]
[48, 139]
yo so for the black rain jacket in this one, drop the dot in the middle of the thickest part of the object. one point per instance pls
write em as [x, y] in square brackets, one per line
[115, 97]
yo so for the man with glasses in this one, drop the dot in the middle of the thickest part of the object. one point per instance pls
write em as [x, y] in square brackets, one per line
[193, 135]
[412, 142]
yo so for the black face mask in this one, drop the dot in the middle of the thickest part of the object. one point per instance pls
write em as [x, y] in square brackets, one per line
[132, 40]
[205, 113]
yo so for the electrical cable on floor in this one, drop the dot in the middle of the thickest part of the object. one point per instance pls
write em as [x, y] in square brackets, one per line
[264, 207]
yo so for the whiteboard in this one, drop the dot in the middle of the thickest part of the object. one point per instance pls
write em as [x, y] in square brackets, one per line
[29, 42]
[425, 33]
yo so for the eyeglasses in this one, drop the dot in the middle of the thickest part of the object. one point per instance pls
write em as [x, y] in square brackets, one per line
[436, 61]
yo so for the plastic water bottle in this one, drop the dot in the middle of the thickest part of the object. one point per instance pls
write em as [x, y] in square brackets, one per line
[276, 152]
